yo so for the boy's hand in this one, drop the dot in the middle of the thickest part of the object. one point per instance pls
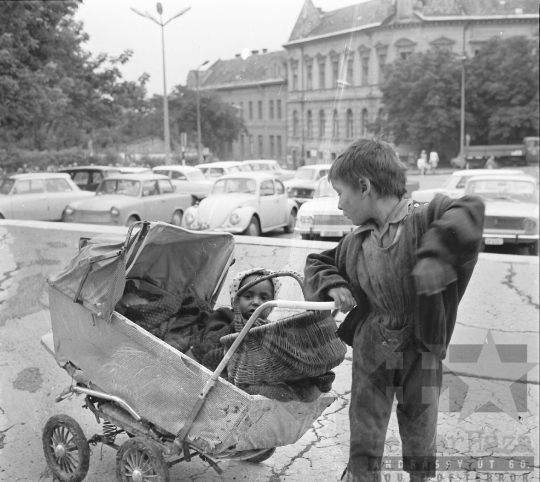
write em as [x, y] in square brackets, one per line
[432, 276]
[343, 298]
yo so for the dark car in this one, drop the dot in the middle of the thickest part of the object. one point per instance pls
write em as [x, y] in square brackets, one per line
[89, 177]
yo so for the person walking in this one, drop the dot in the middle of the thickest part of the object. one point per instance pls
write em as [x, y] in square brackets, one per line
[422, 163]
[433, 161]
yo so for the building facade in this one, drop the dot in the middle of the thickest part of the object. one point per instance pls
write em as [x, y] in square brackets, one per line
[336, 60]
[257, 87]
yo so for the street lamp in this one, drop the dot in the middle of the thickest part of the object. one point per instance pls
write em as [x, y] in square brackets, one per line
[199, 154]
[166, 133]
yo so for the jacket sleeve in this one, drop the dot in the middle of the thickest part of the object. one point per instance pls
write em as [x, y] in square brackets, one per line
[454, 230]
[322, 273]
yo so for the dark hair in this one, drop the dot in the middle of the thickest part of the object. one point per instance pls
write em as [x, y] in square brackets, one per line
[374, 160]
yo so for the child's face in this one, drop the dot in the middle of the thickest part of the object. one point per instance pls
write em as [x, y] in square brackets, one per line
[254, 297]
[354, 203]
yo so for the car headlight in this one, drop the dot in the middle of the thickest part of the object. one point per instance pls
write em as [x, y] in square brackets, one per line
[306, 220]
[190, 218]
[114, 211]
[234, 218]
[70, 210]
[530, 226]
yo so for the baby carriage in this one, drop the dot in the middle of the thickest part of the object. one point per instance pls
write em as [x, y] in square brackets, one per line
[171, 407]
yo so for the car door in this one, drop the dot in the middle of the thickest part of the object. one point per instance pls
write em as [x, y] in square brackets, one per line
[153, 202]
[268, 204]
[168, 199]
[59, 195]
[30, 200]
[281, 212]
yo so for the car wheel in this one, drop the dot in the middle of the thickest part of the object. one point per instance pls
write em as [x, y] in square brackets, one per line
[177, 218]
[253, 229]
[292, 222]
[131, 220]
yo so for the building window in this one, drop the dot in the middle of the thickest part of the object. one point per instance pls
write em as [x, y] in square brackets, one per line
[279, 109]
[295, 123]
[260, 139]
[271, 112]
[350, 124]
[309, 75]
[309, 124]
[335, 124]
[335, 70]
[272, 146]
[350, 69]
[260, 109]
[294, 69]
[279, 147]
[241, 110]
[322, 124]
[242, 145]
[250, 110]
[322, 72]
[365, 120]
[365, 68]
[251, 147]
[404, 48]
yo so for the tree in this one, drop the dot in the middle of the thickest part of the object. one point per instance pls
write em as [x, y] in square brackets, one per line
[502, 91]
[421, 97]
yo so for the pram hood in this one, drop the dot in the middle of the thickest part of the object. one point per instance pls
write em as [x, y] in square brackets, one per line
[173, 259]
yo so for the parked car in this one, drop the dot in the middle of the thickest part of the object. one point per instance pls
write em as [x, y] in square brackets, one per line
[321, 216]
[89, 177]
[213, 170]
[244, 203]
[302, 186]
[511, 209]
[125, 199]
[38, 196]
[270, 166]
[454, 187]
[135, 170]
[187, 180]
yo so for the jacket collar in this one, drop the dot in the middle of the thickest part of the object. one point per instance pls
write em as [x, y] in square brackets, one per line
[398, 214]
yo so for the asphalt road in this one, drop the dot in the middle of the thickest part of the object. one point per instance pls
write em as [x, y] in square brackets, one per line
[498, 398]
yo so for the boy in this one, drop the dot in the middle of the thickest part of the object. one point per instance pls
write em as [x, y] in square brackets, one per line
[406, 268]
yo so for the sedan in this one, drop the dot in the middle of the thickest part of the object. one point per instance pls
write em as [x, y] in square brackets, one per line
[213, 170]
[511, 209]
[89, 177]
[244, 203]
[302, 186]
[38, 196]
[187, 180]
[272, 167]
[125, 199]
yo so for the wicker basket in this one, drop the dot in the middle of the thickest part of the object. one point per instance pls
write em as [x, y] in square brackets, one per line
[300, 346]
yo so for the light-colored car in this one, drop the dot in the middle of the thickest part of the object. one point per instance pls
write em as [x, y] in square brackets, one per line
[213, 170]
[244, 203]
[38, 196]
[320, 216]
[454, 187]
[511, 209]
[125, 199]
[187, 180]
[302, 186]
[135, 170]
[270, 166]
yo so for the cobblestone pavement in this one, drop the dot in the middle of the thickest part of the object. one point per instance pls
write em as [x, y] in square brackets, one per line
[500, 308]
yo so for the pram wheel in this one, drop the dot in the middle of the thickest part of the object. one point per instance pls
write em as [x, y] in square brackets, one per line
[141, 460]
[66, 450]
[261, 457]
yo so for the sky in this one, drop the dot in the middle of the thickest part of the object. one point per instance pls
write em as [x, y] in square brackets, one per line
[210, 30]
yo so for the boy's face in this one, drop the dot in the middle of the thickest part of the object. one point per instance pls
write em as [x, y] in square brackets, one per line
[355, 203]
[254, 297]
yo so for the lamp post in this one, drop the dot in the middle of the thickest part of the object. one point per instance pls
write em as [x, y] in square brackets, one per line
[166, 132]
[199, 153]
[462, 116]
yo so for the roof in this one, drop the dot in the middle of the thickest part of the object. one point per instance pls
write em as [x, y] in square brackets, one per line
[265, 67]
[41, 175]
[137, 177]
[313, 22]
[259, 175]
[503, 177]
[487, 172]
[172, 167]
[85, 168]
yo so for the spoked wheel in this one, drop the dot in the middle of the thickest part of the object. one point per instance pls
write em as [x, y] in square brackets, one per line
[177, 218]
[140, 460]
[66, 450]
[261, 457]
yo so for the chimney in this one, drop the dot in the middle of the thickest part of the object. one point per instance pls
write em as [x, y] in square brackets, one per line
[404, 9]
[254, 52]
[266, 50]
[237, 56]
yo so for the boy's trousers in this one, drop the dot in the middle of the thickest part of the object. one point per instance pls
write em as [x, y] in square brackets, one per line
[389, 363]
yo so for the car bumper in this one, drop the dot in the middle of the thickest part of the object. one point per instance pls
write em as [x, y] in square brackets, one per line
[325, 231]
[222, 229]
[508, 238]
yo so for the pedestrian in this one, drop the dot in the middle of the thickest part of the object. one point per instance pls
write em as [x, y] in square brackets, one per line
[433, 161]
[404, 269]
[422, 163]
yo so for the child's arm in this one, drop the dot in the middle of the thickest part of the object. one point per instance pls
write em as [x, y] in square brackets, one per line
[453, 238]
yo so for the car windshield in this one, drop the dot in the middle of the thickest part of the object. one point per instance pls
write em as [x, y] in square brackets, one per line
[325, 189]
[6, 185]
[306, 174]
[119, 186]
[504, 190]
[235, 186]
[196, 176]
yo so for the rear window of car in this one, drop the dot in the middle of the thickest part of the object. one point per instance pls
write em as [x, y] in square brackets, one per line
[6, 185]
[215, 172]
[57, 185]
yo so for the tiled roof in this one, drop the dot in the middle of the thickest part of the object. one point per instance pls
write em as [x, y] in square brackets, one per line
[256, 68]
[379, 11]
